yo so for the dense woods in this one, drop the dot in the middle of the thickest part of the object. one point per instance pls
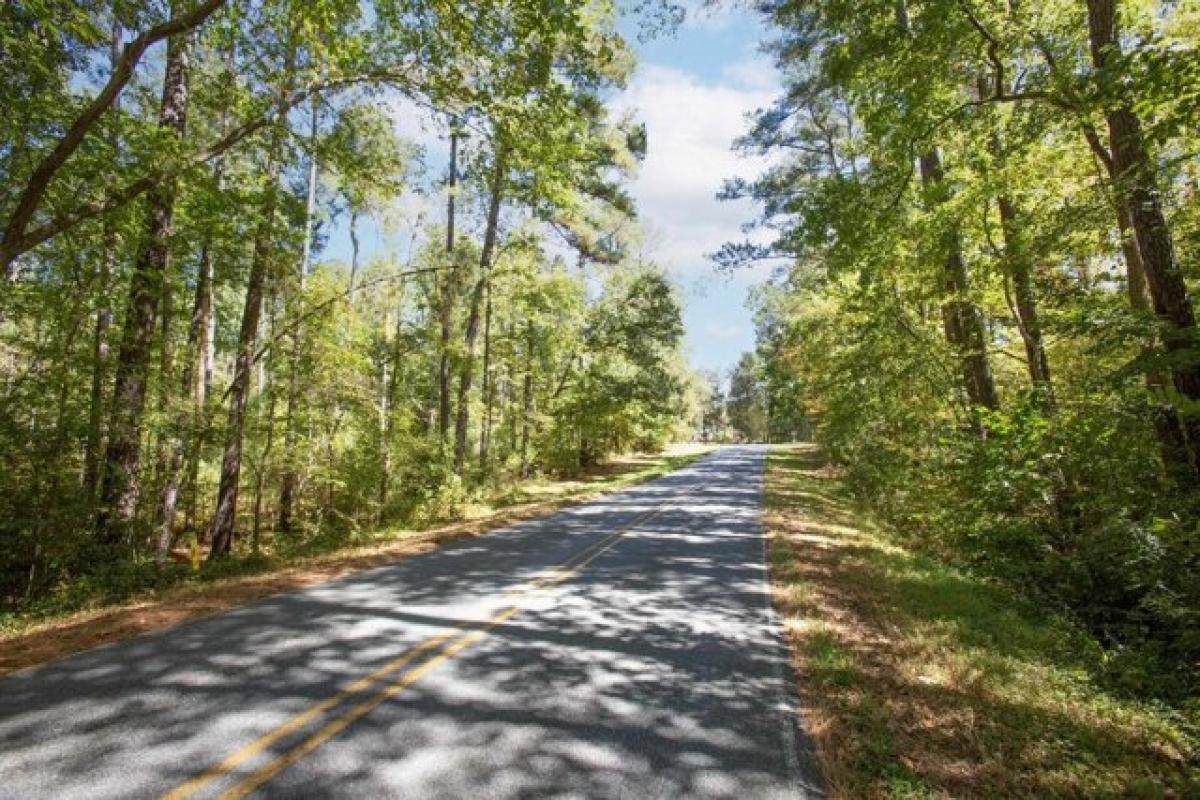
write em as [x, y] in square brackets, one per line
[277, 273]
[988, 220]
[188, 356]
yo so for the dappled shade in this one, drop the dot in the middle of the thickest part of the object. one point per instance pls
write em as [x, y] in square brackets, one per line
[655, 671]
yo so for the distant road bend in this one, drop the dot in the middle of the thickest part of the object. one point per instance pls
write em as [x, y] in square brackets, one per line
[622, 648]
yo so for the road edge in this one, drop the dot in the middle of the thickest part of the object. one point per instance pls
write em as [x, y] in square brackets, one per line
[799, 748]
[77, 633]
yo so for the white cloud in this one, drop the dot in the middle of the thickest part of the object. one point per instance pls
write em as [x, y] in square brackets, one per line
[754, 74]
[724, 330]
[416, 123]
[691, 128]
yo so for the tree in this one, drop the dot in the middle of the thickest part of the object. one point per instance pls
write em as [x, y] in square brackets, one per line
[747, 403]
[224, 520]
[120, 487]
[976, 339]
[714, 422]
[300, 400]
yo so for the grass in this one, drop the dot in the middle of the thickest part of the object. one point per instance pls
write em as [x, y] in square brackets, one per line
[920, 681]
[88, 613]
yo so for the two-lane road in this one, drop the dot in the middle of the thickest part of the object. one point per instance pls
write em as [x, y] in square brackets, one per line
[622, 648]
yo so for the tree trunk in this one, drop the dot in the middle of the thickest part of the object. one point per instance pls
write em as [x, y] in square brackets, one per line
[388, 406]
[331, 465]
[122, 462]
[489, 390]
[506, 400]
[1028, 319]
[260, 473]
[192, 395]
[1135, 280]
[505, 431]
[1020, 270]
[166, 470]
[100, 359]
[225, 519]
[449, 285]
[287, 486]
[203, 326]
[353, 254]
[443, 376]
[431, 417]
[466, 376]
[451, 185]
[1136, 181]
[100, 348]
[962, 321]
[1168, 427]
[166, 374]
[527, 400]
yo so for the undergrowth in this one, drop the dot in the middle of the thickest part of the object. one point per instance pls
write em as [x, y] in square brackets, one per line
[141, 580]
[920, 680]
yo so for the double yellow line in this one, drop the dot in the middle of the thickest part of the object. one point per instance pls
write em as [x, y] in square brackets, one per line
[444, 646]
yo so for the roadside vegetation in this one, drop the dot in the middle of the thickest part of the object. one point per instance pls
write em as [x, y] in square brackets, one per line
[918, 679]
[277, 275]
[987, 223]
[83, 614]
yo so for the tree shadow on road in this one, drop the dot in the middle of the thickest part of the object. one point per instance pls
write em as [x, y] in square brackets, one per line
[652, 672]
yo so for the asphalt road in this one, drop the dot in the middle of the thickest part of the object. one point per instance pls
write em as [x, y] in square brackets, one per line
[622, 648]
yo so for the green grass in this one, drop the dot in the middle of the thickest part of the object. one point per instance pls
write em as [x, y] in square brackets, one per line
[921, 681]
[606, 478]
[130, 584]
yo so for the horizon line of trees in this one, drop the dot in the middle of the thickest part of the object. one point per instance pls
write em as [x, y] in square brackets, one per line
[762, 405]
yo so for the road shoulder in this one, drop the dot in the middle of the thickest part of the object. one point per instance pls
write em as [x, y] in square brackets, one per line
[919, 680]
[58, 636]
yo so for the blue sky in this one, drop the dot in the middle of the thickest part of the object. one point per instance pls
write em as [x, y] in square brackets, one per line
[692, 89]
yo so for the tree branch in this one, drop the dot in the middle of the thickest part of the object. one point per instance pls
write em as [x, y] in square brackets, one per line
[993, 47]
[312, 311]
[122, 73]
[11, 248]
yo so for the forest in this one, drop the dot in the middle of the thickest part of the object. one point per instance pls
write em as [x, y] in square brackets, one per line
[191, 358]
[984, 219]
[317, 293]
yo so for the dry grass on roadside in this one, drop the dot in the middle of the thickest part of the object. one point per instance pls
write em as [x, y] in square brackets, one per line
[919, 681]
[36, 640]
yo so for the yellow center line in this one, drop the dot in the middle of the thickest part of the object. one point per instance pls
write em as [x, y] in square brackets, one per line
[339, 724]
[467, 633]
[230, 762]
